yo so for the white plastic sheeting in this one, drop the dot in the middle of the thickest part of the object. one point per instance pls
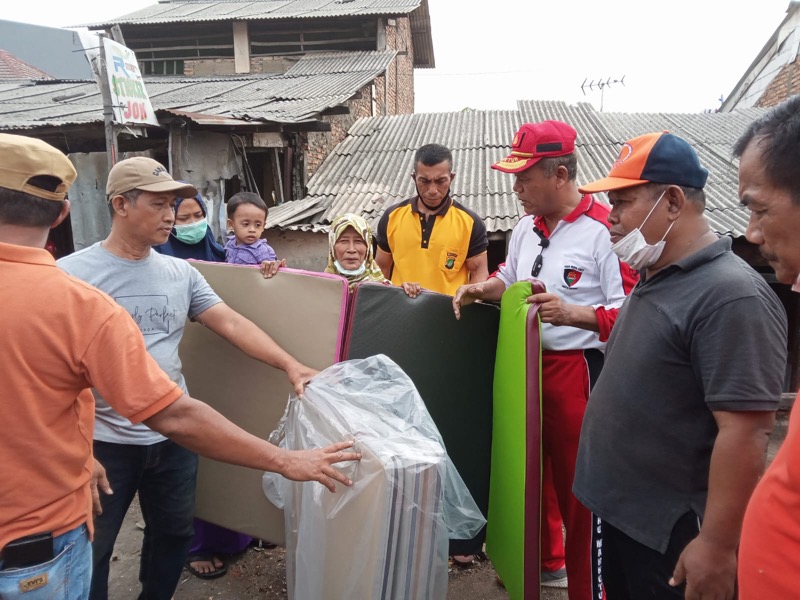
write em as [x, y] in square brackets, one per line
[386, 537]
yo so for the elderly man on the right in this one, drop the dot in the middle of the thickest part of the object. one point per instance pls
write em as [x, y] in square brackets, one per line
[769, 186]
[676, 427]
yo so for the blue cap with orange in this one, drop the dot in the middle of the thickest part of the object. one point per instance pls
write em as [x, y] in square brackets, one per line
[652, 158]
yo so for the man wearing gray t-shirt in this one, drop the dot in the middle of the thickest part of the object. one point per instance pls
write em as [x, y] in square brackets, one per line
[160, 293]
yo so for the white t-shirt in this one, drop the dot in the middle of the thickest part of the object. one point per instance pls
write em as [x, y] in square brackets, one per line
[578, 266]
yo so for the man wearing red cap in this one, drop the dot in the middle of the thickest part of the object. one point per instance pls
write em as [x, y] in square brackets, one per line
[769, 186]
[563, 241]
[676, 428]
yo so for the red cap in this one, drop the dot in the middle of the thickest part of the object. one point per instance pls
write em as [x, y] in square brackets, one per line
[535, 141]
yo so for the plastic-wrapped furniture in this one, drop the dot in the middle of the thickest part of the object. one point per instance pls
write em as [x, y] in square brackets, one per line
[386, 537]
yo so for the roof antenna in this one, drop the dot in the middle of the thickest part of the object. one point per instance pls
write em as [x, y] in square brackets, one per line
[601, 85]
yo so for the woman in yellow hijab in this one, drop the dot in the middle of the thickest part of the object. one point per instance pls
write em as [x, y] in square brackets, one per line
[350, 250]
[350, 253]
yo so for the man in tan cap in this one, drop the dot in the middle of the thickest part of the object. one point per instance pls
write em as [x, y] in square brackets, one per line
[160, 293]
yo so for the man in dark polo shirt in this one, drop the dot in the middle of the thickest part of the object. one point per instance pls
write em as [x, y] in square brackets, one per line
[430, 238]
[676, 427]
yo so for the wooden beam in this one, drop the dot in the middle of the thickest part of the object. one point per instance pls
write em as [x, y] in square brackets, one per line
[336, 110]
[315, 126]
[241, 47]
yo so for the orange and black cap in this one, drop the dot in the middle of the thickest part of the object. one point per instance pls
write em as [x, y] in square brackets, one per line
[652, 158]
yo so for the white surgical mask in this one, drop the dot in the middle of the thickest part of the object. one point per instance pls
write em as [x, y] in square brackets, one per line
[634, 249]
[352, 273]
[796, 286]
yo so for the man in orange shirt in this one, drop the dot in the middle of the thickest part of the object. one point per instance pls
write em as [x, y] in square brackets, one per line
[62, 337]
[769, 186]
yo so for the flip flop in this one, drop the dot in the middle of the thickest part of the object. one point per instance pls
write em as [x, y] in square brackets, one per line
[217, 572]
[464, 560]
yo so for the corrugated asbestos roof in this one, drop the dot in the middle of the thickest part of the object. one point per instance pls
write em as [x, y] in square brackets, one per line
[195, 10]
[369, 170]
[189, 11]
[317, 82]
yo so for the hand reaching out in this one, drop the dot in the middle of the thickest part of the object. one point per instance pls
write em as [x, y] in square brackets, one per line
[317, 464]
[270, 267]
[412, 289]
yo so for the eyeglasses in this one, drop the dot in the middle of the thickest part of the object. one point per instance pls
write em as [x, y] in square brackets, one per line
[544, 243]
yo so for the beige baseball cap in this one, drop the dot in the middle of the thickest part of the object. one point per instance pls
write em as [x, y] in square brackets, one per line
[142, 173]
[23, 158]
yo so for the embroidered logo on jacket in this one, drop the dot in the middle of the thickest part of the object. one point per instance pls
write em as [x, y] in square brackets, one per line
[572, 275]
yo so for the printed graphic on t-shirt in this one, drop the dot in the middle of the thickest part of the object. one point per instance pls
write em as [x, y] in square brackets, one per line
[572, 275]
[151, 313]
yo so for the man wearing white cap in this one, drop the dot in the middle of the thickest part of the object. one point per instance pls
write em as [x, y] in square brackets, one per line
[160, 292]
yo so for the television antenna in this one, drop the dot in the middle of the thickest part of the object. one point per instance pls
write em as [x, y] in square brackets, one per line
[600, 84]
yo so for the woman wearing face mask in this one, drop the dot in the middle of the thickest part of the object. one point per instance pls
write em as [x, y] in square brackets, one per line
[192, 238]
[349, 255]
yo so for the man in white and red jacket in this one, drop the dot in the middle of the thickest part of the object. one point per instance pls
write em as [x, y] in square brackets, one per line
[563, 241]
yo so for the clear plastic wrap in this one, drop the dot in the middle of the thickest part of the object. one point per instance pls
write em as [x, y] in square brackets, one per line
[386, 536]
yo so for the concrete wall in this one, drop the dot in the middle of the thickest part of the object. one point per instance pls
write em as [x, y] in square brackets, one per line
[206, 67]
[302, 249]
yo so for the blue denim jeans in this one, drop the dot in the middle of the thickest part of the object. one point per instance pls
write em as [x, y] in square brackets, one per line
[65, 577]
[164, 475]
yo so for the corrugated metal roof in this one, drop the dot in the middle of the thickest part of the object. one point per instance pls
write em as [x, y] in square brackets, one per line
[293, 97]
[190, 10]
[369, 170]
[319, 63]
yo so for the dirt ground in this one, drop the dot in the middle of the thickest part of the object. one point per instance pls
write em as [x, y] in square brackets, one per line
[260, 573]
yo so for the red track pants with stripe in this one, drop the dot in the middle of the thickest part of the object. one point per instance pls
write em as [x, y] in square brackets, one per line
[565, 391]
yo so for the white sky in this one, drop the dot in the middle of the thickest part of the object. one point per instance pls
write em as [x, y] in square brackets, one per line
[676, 56]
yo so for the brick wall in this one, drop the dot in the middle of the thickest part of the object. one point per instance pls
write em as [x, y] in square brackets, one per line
[401, 71]
[320, 144]
[785, 84]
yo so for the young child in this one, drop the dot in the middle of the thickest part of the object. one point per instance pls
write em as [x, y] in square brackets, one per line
[247, 217]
